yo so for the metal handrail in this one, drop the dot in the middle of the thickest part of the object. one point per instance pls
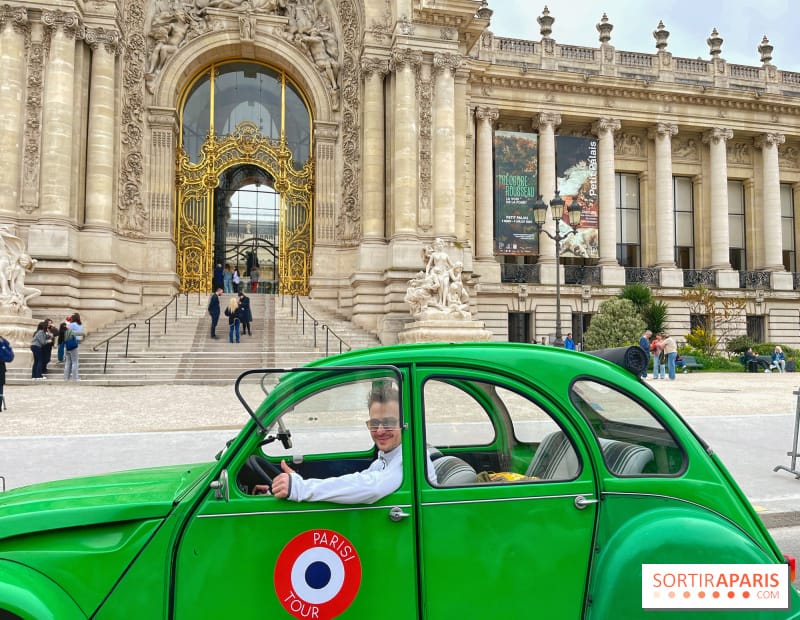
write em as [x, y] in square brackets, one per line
[297, 310]
[327, 331]
[108, 340]
[148, 320]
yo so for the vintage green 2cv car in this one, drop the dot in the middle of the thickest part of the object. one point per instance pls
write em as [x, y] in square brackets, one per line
[529, 481]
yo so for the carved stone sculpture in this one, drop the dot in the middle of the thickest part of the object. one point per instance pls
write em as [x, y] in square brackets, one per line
[15, 264]
[439, 291]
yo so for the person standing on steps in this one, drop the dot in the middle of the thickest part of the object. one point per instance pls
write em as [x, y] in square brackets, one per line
[227, 278]
[213, 311]
[255, 274]
[234, 314]
[72, 340]
[37, 344]
[247, 315]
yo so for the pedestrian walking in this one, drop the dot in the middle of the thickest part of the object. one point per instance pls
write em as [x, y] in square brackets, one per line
[213, 311]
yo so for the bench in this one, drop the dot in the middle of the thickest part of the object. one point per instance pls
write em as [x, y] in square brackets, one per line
[689, 362]
[763, 361]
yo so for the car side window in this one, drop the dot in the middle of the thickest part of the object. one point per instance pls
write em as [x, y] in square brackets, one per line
[485, 433]
[632, 439]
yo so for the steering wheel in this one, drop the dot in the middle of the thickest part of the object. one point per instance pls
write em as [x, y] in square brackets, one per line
[263, 469]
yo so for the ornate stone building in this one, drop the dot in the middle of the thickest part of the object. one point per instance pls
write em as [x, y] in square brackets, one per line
[336, 139]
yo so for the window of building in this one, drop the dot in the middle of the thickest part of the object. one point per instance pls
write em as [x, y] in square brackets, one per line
[787, 228]
[755, 328]
[699, 320]
[736, 225]
[683, 196]
[628, 236]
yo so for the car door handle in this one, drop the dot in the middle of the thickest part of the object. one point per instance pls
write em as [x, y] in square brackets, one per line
[582, 502]
[396, 514]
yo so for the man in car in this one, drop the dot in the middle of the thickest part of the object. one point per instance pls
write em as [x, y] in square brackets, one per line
[382, 477]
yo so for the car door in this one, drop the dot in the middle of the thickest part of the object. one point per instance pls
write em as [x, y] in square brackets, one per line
[501, 548]
[254, 556]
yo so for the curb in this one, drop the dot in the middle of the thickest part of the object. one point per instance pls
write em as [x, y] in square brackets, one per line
[781, 519]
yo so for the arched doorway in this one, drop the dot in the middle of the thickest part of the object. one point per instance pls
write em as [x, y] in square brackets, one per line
[244, 127]
[246, 225]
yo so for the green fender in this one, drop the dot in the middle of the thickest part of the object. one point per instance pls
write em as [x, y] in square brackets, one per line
[665, 535]
[32, 596]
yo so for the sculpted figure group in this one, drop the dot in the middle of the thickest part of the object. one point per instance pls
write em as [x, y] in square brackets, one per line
[439, 291]
[176, 23]
[15, 264]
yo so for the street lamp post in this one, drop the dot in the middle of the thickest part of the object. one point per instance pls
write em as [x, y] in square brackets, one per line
[539, 217]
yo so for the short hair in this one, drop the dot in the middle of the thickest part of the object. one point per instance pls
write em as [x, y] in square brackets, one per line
[383, 391]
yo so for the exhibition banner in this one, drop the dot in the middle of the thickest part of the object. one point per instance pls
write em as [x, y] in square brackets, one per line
[515, 190]
[576, 180]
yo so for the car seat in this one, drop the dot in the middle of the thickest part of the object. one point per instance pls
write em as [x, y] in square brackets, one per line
[452, 471]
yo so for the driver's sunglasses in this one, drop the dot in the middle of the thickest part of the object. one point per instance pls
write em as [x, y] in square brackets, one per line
[390, 424]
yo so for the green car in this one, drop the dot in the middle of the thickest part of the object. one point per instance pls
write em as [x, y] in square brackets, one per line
[526, 481]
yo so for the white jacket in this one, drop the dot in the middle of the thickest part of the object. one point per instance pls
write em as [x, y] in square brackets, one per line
[383, 476]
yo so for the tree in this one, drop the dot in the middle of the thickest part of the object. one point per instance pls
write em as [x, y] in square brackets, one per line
[638, 294]
[655, 315]
[721, 316]
[616, 324]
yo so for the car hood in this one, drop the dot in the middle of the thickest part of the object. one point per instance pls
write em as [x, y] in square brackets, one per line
[124, 496]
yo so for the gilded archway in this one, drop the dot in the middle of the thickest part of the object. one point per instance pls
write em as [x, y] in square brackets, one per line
[200, 165]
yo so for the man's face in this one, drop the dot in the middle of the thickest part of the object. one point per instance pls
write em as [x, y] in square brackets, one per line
[386, 430]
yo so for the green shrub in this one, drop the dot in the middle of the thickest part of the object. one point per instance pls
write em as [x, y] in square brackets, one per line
[616, 324]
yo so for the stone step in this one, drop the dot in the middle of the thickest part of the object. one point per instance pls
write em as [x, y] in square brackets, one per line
[186, 354]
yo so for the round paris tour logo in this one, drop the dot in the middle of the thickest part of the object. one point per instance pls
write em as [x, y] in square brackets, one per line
[317, 575]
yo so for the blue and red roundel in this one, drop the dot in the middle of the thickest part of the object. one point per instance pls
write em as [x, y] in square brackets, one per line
[317, 575]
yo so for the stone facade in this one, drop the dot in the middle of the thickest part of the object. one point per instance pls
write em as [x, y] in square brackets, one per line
[405, 96]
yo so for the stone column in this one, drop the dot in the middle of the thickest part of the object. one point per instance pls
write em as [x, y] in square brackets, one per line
[484, 183]
[58, 120]
[546, 123]
[374, 224]
[665, 208]
[444, 146]
[100, 143]
[720, 231]
[772, 238]
[404, 63]
[13, 23]
[604, 129]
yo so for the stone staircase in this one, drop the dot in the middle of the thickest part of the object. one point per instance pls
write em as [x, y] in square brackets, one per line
[282, 337]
